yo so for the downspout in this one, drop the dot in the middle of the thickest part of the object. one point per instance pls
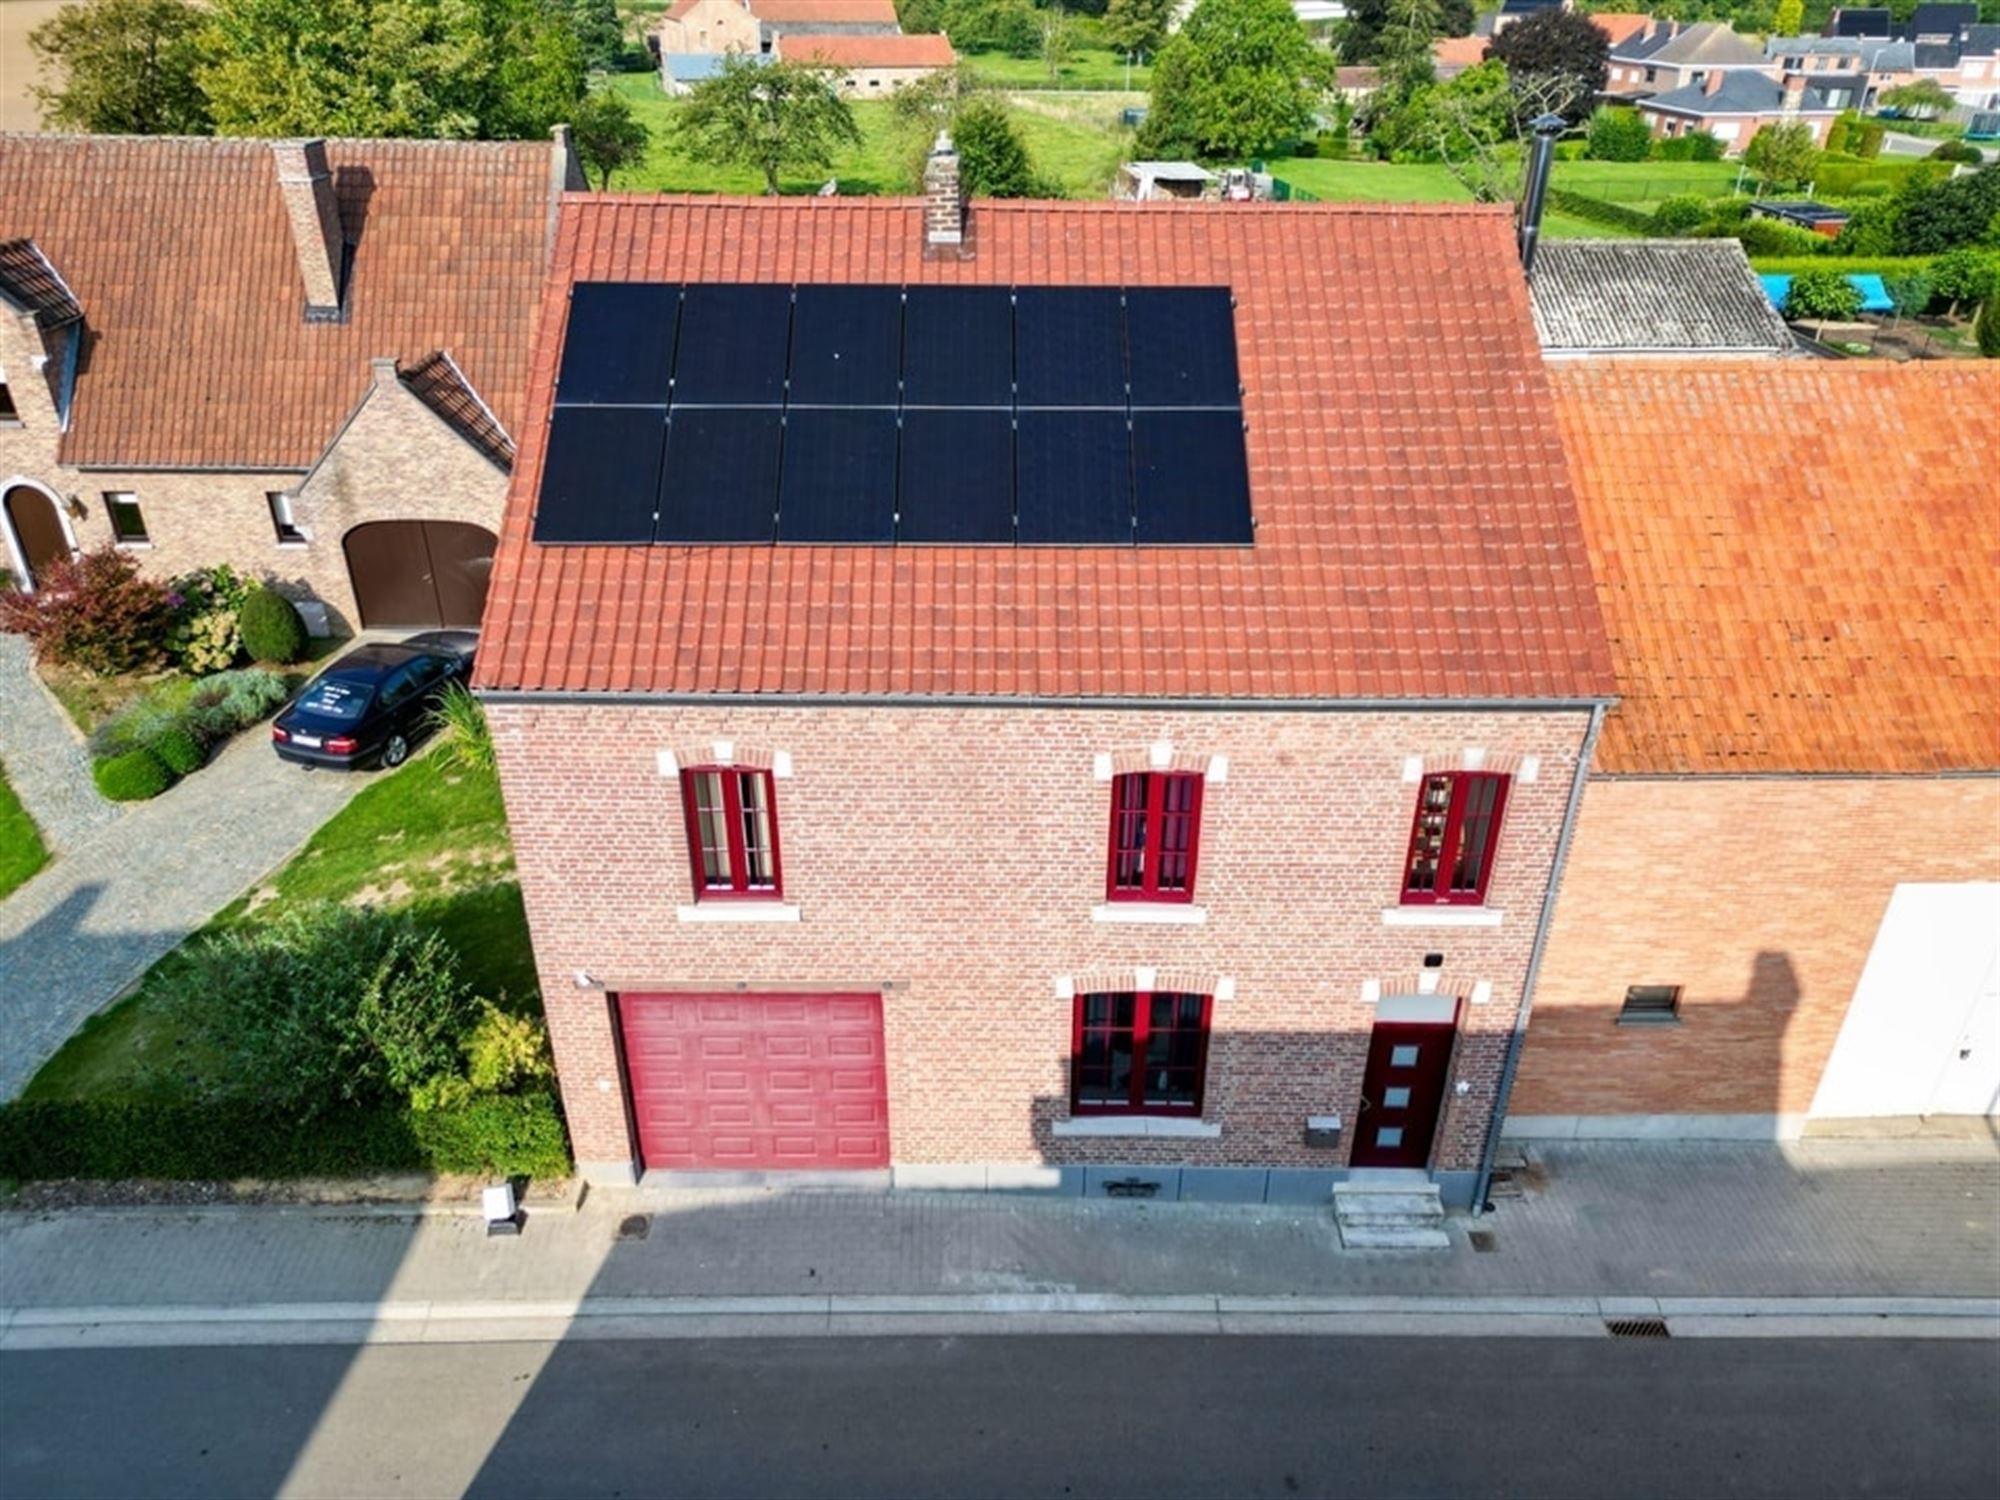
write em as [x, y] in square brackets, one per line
[1520, 1037]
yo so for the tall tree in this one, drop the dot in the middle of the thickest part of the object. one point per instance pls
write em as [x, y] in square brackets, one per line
[1239, 77]
[992, 161]
[1404, 54]
[122, 67]
[1557, 45]
[1138, 25]
[1360, 35]
[1478, 126]
[1783, 155]
[1790, 17]
[599, 32]
[1058, 41]
[771, 119]
[608, 135]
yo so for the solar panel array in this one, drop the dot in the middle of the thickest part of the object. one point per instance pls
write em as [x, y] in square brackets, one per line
[711, 413]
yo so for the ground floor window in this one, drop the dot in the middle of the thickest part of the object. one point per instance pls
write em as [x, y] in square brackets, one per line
[127, 524]
[1139, 1052]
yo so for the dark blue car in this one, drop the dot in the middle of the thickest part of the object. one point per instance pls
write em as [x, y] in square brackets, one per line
[374, 704]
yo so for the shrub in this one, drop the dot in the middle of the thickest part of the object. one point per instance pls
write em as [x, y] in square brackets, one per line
[1822, 294]
[131, 777]
[414, 1009]
[508, 1135]
[180, 750]
[228, 701]
[1965, 276]
[1867, 139]
[1989, 328]
[506, 1052]
[1582, 206]
[1956, 151]
[1681, 214]
[464, 737]
[1839, 134]
[1616, 134]
[203, 636]
[1949, 215]
[1696, 145]
[271, 627]
[1769, 237]
[140, 724]
[94, 612]
[1869, 230]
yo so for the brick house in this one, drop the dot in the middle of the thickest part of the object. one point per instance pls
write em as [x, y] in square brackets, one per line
[717, 26]
[1275, 814]
[1782, 904]
[1733, 106]
[871, 66]
[301, 358]
[1668, 55]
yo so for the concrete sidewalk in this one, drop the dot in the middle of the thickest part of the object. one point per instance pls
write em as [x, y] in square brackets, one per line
[1597, 1220]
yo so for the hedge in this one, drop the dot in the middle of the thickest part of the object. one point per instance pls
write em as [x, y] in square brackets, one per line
[1598, 211]
[1833, 178]
[499, 1135]
[1862, 265]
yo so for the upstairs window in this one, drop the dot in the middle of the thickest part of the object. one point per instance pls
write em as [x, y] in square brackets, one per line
[732, 829]
[1452, 843]
[128, 526]
[9, 415]
[1155, 831]
[1137, 1052]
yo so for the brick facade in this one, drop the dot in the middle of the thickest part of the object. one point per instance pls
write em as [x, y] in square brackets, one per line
[950, 859]
[1761, 898]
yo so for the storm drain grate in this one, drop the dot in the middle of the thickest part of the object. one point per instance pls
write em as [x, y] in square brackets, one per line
[1636, 1328]
[1482, 1240]
[634, 1227]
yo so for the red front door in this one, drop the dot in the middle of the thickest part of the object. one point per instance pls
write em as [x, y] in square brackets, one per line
[1401, 1093]
[757, 1082]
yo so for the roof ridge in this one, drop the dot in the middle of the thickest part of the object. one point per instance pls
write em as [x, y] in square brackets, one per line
[813, 203]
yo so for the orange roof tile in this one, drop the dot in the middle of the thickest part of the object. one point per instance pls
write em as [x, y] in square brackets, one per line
[182, 258]
[1799, 561]
[844, 12]
[1618, 25]
[1460, 51]
[927, 50]
[1416, 534]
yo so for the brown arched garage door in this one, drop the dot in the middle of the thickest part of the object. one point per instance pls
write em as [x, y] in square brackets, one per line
[757, 1082]
[420, 574]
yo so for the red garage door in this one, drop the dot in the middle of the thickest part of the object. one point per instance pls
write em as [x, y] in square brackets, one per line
[758, 1082]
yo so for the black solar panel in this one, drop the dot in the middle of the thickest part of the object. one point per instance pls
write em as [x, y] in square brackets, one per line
[956, 477]
[720, 482]
[618, 348]
[846, 345]
[1073, 477]
[1069, 346]
[1183, 346]
[1190, 475]
[601, 474]
[958, 346]
[734, 342]
[839, 482]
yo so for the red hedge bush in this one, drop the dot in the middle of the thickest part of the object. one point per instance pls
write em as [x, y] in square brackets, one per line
[93, 612]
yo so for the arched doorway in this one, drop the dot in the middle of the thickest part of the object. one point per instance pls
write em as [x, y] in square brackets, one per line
[419, 574]
[36, 534]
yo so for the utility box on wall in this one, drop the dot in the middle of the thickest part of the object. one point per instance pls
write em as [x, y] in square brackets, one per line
[1322, 1132]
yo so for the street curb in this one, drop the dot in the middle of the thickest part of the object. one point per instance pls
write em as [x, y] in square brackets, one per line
[591, 1318]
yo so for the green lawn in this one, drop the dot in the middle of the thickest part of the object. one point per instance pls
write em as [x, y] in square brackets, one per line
[429, 839]
[1634, 184]
[1073, 145]
[1644, 184]
[22, 852]
[1089, 68]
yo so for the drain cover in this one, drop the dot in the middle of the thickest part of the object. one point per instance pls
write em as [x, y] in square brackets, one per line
[634, 1227]
[1636, 1328]
[1482, 1240]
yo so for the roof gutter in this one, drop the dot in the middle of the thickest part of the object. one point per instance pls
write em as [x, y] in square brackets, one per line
[1520, 1037]
[996, 700]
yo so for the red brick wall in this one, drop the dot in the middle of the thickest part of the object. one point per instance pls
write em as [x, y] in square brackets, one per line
[1761, 899]
[954, 856]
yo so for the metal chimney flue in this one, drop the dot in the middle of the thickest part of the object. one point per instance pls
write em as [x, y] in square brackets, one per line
[1546, 128]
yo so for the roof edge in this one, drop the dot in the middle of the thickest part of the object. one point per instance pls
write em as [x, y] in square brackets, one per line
[582, 697]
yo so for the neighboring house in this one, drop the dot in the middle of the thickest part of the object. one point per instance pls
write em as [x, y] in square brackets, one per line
[1782, 902]
[1939, 23]
[717, 26]
[1734, 105]
[1853, 71]
[1873, 21]
[681, 71]
[1669, 56]
[1452, 55]
[305, 359]
[1166, 808]
[1652, 297]
[871, 66]
[1967, 67]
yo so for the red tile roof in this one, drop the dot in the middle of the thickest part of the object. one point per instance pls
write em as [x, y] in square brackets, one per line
[849, 51]
[182, 258]
[846, 12]
[1416, 533]
[1799, 561]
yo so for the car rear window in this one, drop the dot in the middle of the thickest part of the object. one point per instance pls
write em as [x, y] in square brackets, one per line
[333, 698]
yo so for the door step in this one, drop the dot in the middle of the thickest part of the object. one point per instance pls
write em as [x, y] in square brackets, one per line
[1390, 1215]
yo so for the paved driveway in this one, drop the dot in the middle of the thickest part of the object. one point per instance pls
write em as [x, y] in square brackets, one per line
[126, 888]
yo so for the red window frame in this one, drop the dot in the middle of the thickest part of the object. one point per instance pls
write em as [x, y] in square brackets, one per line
[1458, 813]
[737, 881]
[1155, 836]
[1141, 1033]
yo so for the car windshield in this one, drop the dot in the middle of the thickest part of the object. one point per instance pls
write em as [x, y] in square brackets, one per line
[335, 698]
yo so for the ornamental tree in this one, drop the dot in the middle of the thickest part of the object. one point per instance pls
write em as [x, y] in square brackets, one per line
[608, 135]
[121, 67]
[1557, 45]
[1240, 77]
[787, 116]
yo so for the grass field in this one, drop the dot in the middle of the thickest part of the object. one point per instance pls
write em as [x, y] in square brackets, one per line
[1090, 68]
[1074, 141]
[1634, 184]
[429, 839]
[22, 852]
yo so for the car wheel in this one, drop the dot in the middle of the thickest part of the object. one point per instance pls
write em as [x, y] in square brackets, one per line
[396, 751]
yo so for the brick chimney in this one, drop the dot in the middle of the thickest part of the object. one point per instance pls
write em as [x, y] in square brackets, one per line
[944, 200]
[306, 184]
[1712, 83]
[1795, 91]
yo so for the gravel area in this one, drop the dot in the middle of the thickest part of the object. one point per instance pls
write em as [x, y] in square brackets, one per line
[45, 759]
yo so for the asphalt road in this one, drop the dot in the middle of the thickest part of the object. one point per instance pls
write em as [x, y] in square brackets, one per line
[1063, 1416]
